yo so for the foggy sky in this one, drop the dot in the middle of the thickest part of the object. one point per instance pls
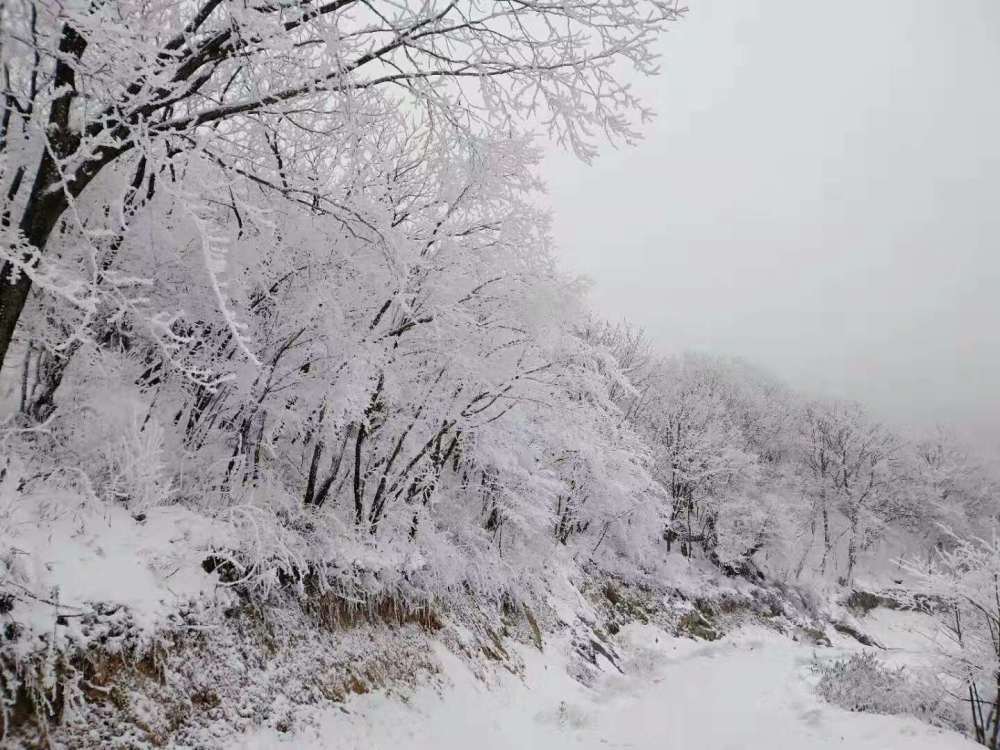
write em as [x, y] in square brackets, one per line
[820, 194]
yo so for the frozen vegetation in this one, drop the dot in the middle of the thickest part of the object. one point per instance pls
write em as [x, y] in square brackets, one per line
[305, 441]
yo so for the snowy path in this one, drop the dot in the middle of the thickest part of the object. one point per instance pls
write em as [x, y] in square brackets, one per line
[749, 692]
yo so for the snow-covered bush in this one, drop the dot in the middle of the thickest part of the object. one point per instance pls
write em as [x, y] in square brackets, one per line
[863, 682]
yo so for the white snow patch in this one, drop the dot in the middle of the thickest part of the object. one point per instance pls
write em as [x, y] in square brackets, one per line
[65, 552]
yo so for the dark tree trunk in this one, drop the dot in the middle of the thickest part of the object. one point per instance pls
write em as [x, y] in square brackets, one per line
[50, 189]
[43, 210]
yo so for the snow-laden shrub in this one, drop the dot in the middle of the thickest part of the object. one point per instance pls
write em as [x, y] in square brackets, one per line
[863, 682]
[139, 475]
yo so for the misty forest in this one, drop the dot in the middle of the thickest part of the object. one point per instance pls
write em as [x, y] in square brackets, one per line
[308, 439]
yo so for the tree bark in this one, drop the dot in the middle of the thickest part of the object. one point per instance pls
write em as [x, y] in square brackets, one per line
[43, 210]
[45, 202]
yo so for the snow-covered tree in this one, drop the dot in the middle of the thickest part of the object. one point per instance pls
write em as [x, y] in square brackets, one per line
[106, 102]
[961, 587]
[852, 470]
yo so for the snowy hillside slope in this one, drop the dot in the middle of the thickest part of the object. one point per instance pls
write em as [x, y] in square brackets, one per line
[171, 656]
[612, 671]
[751, 690]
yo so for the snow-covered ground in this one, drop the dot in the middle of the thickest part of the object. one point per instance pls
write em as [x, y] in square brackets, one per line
[752, 689]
